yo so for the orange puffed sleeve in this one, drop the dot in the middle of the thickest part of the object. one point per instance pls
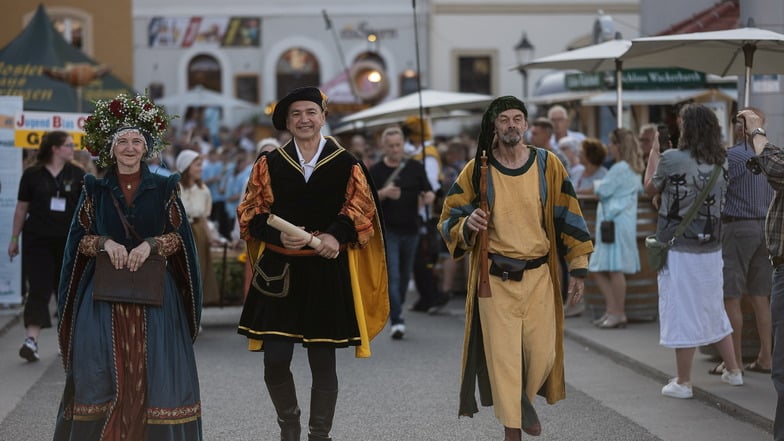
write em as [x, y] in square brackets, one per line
[258, 197]
[359, 206]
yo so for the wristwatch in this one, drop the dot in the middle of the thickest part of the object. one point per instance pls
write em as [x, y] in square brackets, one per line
[758, 131]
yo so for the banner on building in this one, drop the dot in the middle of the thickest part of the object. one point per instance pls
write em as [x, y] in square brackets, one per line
[10, 174]
[180, 32]
[29, 127]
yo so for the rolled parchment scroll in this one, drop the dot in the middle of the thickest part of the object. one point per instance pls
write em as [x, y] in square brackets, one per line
[289, 228]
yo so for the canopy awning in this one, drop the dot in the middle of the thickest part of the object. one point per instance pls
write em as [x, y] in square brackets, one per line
[564, 97]
[657, 97]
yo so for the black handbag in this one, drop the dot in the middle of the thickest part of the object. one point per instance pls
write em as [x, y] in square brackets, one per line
[271, 274]
[607, 230]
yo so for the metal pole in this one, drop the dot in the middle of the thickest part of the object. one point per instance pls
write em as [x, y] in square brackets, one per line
[328, 22]
[419, 79]
[619, 89]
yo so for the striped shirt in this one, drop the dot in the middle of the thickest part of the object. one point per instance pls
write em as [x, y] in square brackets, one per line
[772, 162]
[748, 195]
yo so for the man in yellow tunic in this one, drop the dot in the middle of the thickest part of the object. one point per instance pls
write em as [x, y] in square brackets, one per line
[532, 216]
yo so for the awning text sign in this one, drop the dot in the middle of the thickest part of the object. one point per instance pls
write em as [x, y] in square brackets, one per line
[638, 79]
[29, 127]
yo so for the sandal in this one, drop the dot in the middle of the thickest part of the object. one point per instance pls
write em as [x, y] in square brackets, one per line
[718, 369]
[754, 366]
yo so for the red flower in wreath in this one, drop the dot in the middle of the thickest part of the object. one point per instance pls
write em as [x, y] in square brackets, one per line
[160, 123]
[116, 107]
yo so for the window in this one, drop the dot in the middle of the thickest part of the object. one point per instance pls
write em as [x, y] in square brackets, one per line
[204, 70]
[297, 67]
[247, 87]
[474, 74]
[71, 29]
[75, 25]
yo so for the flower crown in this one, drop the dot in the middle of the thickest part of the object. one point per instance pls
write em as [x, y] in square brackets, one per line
[122, 112]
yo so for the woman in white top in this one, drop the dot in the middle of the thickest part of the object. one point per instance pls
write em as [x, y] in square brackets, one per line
[197, 201]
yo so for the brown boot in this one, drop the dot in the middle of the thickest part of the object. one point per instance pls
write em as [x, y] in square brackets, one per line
[512, 434]
[534, 429]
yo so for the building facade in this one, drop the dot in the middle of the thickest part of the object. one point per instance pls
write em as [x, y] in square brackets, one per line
[102, 30]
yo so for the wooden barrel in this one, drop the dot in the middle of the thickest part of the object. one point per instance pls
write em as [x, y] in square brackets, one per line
[642, 293]
[749, 338]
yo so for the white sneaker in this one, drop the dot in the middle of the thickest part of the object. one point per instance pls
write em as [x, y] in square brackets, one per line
[675, 390]
[732, 378]
[397, 331]
[29, 350]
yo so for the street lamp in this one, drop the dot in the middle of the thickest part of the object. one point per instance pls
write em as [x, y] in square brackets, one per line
[525, 53]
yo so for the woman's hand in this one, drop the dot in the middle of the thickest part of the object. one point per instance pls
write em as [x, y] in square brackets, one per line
[13, 248]
[138, 255]
[118, 255]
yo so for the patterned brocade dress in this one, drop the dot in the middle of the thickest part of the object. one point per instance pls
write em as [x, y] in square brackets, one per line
[130, 369]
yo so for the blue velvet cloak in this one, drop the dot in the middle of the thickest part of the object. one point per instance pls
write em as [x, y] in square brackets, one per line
[87, 330]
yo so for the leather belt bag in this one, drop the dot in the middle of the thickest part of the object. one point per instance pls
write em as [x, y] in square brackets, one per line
[508, 268]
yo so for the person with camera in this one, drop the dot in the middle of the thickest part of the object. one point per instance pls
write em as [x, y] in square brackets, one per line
[745, 254]
[402, 184]
[691, 307]
[616, 254]
[770, 161]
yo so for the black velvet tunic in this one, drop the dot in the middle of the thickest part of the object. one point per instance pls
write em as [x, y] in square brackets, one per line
[319, 308]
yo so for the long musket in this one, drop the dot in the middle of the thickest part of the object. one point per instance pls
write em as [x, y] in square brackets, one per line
[484, 275]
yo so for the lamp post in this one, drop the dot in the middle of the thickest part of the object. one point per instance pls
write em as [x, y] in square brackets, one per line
[525, 53]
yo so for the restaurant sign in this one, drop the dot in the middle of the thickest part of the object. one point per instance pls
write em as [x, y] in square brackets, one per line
[637, 79]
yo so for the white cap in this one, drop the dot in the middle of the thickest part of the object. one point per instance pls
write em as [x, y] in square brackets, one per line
[267, 141]
[185, 159]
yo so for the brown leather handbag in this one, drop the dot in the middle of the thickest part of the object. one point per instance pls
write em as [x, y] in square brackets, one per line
[144, 286]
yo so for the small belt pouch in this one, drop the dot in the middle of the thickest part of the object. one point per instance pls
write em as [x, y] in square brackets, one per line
[507, 268]
[271, 274]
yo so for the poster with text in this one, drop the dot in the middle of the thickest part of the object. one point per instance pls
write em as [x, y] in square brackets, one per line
[10, 174]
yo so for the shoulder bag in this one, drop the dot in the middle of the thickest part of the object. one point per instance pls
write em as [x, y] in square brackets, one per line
[607, 228]
[657, 250]
[143, 286]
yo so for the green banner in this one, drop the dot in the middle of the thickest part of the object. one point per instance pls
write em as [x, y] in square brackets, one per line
[637, 79]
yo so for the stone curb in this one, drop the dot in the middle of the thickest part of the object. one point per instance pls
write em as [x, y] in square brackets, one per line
[728, 407]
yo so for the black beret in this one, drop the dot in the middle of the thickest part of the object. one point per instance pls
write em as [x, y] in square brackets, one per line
[301, 94]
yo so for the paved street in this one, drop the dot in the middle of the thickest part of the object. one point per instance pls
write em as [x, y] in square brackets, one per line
[406, 391]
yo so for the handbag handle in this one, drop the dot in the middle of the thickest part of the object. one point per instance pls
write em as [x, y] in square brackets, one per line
[692, 213]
